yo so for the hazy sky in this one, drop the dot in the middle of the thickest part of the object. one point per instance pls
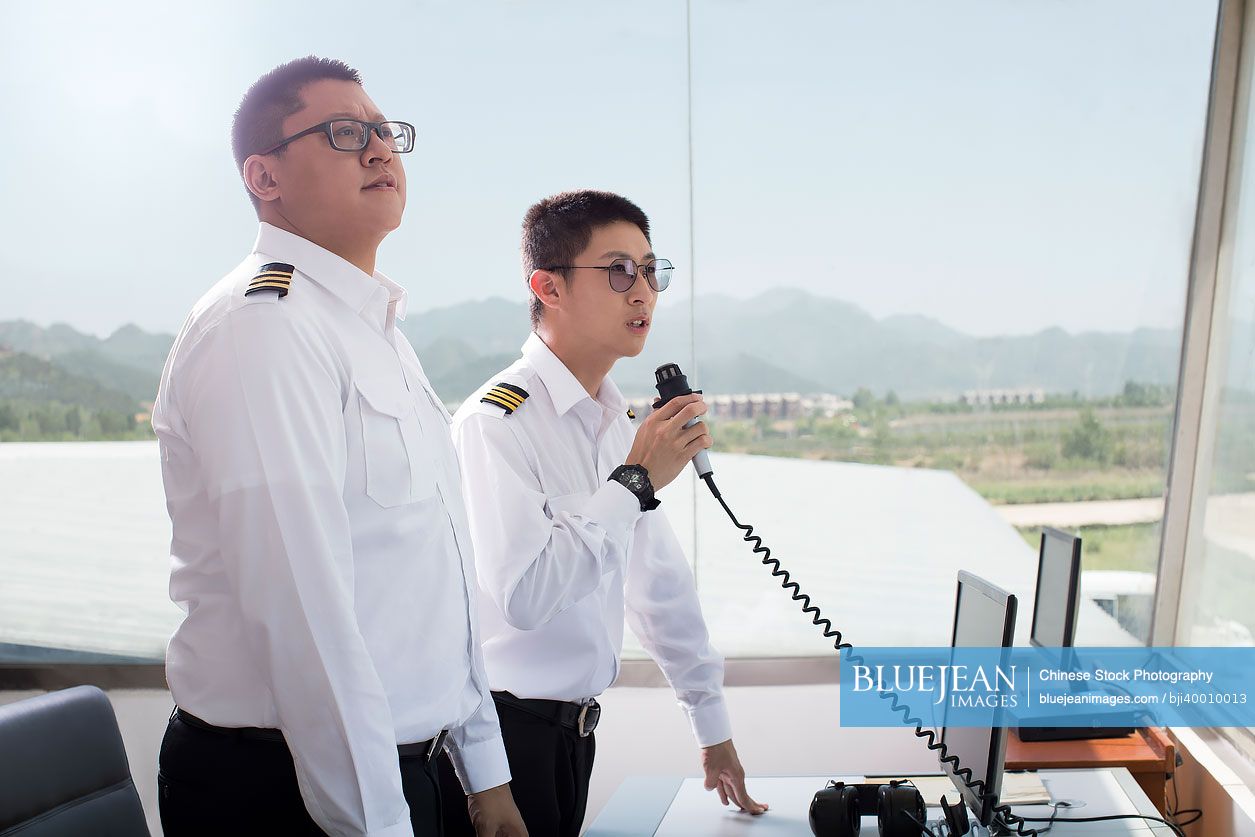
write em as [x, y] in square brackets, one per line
[1000, 166]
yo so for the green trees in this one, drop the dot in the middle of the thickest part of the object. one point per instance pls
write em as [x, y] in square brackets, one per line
[1088, 439]
[53, 421]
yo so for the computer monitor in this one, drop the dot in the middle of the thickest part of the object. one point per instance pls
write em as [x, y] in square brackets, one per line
[984, 617]
[1058, 597]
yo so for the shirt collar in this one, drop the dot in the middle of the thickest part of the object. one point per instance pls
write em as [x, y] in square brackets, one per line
[344, 280]
[564, 388]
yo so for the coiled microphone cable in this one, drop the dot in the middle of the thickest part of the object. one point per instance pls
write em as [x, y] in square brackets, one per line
[1003, 816]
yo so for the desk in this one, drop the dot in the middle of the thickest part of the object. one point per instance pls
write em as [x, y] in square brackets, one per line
[674, 807]
[1149, 754]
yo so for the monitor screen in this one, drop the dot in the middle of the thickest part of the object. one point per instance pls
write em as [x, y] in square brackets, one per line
[1055, 606]
[984, 617]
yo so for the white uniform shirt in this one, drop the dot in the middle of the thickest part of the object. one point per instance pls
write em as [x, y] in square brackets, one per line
[558, 548]
[320, 547]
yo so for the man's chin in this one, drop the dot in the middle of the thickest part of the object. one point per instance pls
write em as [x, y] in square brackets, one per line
[633, 348]
[383, 224]
[382, 211]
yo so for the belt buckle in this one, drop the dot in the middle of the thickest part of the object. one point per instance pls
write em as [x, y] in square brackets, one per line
[437, 744]
[590, 714]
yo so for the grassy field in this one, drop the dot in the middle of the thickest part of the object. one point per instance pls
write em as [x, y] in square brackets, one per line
[1134, 547]
[1040, 454]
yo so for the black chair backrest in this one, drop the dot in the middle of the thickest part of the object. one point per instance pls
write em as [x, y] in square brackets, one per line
[63, 769]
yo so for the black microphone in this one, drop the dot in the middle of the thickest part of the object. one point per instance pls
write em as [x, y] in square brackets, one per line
[672, 384]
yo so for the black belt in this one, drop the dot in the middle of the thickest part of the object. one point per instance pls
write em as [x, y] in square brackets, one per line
[581, 717]
[427, 749]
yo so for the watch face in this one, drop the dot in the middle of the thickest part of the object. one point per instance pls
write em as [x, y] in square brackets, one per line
[634, 480]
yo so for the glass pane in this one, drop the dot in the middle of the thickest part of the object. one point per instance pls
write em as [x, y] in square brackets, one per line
[84, 534]
[942, 255]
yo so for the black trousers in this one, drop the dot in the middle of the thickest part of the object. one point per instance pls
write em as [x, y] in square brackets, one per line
[550, 766]
[212, 783]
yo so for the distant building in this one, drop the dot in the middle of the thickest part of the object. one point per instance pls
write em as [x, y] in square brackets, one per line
[996, 397]
[775, 405]
[826, 405]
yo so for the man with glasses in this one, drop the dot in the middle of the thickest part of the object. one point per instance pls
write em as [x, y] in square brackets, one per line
[320, 546]
[560, 494]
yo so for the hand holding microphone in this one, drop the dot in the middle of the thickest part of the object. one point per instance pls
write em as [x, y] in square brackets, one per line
[672, 435]
[671, 384]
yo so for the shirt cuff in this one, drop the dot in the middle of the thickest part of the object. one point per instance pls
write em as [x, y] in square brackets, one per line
[614, 509]
[401, 828]
[481, 765]
[710, 722]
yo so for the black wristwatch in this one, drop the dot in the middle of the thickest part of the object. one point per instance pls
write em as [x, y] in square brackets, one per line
[636, 479]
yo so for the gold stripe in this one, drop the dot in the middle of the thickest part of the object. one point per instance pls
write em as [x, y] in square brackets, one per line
[506, 395]
[283, 289]
[274, 273]
[513, 405]
[287, 280]
[488, 399]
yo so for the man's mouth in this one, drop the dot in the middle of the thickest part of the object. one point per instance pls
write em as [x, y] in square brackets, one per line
[384, 182]
[638, 324]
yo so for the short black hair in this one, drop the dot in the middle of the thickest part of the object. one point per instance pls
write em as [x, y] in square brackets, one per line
[558, 228]
[258, 122]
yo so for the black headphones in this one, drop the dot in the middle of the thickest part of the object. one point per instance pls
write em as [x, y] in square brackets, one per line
[837, 810]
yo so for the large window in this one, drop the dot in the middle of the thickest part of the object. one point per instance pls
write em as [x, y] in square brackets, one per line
[932, 272]
[942, 254]
[124, 200]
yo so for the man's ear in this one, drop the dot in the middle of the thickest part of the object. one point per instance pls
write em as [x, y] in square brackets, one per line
[546, 287]
[261, 179]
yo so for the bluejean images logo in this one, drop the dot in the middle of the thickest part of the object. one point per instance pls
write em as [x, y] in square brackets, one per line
[957, 686]
[1095, 687]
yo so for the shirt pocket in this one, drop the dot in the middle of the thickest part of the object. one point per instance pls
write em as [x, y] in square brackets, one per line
[399, 469]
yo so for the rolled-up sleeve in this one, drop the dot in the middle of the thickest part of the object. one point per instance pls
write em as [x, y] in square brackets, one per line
[665, 614]
[263, 408]
[536, 560]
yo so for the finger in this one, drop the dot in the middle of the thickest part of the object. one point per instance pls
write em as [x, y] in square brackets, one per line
[695, 442]
[743, 799]
[675, 405]
[736, 791]
[690, 412]
[723, 794]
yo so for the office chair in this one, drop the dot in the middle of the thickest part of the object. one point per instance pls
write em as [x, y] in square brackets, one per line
[63, 770]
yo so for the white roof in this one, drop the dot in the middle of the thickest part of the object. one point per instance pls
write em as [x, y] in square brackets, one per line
[86, 552]
[878, 548]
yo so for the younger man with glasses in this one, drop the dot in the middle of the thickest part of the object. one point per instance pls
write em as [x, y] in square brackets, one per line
[560, 496]
[330, 650]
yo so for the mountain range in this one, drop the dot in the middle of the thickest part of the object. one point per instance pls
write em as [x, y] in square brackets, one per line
[784, 340]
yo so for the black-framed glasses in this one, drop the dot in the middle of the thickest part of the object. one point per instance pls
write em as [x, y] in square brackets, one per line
[354, 135]
[622, 273]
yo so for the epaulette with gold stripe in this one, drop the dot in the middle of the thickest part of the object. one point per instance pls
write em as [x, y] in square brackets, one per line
[506, 396]
[631, 414]
[274, 276]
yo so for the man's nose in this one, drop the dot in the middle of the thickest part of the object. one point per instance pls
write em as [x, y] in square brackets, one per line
[376, 150]
[641, 291]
